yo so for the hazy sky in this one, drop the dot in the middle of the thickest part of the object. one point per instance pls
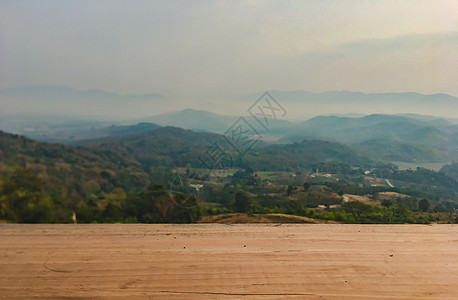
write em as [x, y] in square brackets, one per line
[196, 48]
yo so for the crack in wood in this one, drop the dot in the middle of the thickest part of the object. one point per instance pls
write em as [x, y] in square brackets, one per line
[239, 294]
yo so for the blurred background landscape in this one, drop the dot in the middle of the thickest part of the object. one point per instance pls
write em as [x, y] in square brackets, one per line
[106, 107]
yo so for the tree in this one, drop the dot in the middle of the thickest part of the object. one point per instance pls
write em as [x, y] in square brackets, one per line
[249, 171]
[423, 205]
[160, 201]
[357, 209]
[439, 207]
[117, 197]
[289, 190]
[243, 202]
[112, 213]
[306, 186]
[387, 202]
[449, 207]
[22, 199]
[156, 205]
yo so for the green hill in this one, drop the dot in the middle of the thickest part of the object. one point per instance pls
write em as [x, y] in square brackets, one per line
[451, 170]
[304, 154]
[110, 131]
[72, 173]
[170, 146]
[388, 137]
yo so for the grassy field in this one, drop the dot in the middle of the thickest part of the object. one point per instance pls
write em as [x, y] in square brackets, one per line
[413, 166]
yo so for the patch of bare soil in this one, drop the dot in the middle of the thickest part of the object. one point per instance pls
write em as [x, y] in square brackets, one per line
[260, 218]
[390, 195]
[363, 199]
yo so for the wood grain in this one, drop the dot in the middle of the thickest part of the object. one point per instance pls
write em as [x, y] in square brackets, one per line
[210, 261]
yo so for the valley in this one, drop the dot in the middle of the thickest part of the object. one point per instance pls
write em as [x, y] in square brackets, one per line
[228, 149]
[129, 173]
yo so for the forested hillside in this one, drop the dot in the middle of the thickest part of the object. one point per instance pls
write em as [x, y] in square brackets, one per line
[127, 178]
[63, 176]
[170, 146]
[388, 137]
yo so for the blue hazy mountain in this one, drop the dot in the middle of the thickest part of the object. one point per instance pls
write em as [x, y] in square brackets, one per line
[303, 104]
[300, 105]
[388, 137]
[201, 120]
[65, 101]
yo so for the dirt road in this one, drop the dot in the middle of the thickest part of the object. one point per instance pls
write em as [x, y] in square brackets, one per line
[208, 261]
[389, 183]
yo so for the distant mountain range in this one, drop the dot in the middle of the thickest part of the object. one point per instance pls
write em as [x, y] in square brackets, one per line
[63, 91]
[302, 104]
[388, 137]
[83, 104]
[384, 137]
[111, 131]
[404, 138]
[173, 146]
[413, 134]
[162, 147]
[200, 120]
